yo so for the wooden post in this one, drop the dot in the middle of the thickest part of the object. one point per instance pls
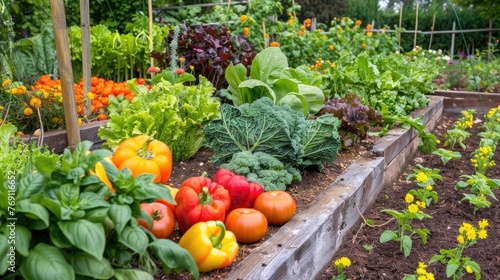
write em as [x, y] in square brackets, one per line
[264, 31]
[150, 10]
[66, 71]
[489, 42]
[86, 61]
[400, 23]
[452, 48]
[416, 27]
[432, 30]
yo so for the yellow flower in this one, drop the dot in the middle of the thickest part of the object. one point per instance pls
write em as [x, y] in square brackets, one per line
[468, 269]
[369, 33]
[343, 261]
[332, 47]
[191, 67]
[302, 27]
[413, 208]
[340, 29]
[182, 59]
[6, 83]
[80, 121]
[300, 32]
[482, 234]
[243, 18]
[471, 234]
[428, 187]
[35, 102]
[438, 141]
[291, 22]
[28, 111]
[246, 31]
[90, 95]
[421, 177]
[364, 46]
[460, 239]
[1, 108]
[483, 223]
[409, 198]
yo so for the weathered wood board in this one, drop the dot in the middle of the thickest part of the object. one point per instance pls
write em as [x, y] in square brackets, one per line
[457, 101]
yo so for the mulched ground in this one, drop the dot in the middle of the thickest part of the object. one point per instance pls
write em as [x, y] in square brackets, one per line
[385, 261]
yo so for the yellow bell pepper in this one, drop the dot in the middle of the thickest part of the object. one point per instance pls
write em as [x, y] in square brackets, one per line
[210, 244]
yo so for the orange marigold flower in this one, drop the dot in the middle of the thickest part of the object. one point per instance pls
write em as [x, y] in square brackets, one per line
[369, 33]
[364, 46]
[368, 27]
[28, 111]
[302, 27]
[35, 102]
[308, 20]
[243, 18]
[343, 19]
[182, 59]
[6, 83]
[300, 32]
[246, 31]
[267, 35]
[275, 44]
[358, 22]
[332, 47]
[340, 29]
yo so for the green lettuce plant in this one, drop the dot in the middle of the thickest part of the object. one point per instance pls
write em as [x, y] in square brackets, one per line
[173, 113]
[70, 225]
[270, 77]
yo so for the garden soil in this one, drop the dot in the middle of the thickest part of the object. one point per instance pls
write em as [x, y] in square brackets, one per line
[384, 261]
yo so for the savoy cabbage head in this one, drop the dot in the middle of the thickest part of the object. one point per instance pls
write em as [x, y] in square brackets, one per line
[279, 131]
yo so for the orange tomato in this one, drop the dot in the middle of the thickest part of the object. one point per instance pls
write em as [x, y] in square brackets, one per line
[248, 225]
[141, 81]
[102, 117]
[278, 206]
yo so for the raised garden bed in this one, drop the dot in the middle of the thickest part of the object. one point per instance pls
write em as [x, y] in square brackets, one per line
[306, 244]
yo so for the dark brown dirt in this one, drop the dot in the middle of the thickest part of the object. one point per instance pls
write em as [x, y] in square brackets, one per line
[385, 261]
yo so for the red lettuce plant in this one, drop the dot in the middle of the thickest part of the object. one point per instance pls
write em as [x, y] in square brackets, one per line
[207, 50]
[356, 118]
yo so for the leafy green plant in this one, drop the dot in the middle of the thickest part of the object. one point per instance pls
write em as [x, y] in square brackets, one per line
[70, 224]
[480, 187]
[271, 78]
[279, 131]
[455, 136]
[447, 155]
[172, 113]
[15, 153]
[404, 219]
[456, 264]
[356, 118]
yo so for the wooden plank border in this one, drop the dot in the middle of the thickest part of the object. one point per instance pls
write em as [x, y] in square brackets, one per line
[306, 244]
[457, 101]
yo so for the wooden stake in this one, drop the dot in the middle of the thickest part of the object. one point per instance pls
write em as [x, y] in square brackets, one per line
[86, 61]
[150, 10]
[432, 30]
[416, 27]
[264, 31]
[66, 71]
[400, 23]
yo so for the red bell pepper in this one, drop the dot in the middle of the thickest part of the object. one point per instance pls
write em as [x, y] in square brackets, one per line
[200, 200]
[241, 192]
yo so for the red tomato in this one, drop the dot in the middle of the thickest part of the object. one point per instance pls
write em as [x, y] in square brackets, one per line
[102, 117]
[278, 206]
[247, 224]
[163, 219]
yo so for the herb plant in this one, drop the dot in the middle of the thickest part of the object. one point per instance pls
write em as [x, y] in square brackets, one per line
[70, 224]
[480, 187]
